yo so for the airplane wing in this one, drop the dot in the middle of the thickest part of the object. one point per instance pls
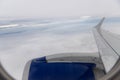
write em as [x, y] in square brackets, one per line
[109, 49]
[108, 46]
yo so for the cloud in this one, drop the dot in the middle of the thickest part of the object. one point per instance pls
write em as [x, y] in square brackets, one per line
[37, 41]
[26, 49]
[67, 36]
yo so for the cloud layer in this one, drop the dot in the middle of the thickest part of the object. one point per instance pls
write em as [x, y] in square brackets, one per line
[22, 43]
[31, 39]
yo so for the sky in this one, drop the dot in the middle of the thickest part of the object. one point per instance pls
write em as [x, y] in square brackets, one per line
[58, 8]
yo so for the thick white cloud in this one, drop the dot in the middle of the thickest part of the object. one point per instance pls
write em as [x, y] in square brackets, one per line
[19, 51]
[20, 42]
[58, 37]
[59, 8]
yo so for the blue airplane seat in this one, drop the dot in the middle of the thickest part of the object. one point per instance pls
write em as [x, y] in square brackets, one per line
[41, 70]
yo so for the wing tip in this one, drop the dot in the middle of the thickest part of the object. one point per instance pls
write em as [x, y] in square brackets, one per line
[98, 26]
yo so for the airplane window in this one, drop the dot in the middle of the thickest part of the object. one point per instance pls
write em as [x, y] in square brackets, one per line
[35, 28]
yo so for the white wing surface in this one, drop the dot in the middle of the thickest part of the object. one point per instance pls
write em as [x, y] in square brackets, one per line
[108, 46]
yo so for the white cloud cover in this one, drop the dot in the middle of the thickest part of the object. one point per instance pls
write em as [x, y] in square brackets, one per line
[30, 40]
[64, 36]
[16, 52]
